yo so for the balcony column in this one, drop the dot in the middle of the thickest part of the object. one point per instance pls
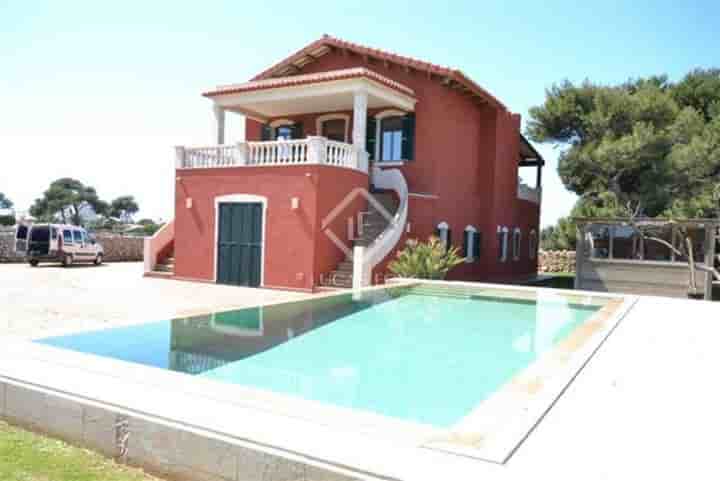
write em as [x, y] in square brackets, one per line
[359, 134]
[220, 123]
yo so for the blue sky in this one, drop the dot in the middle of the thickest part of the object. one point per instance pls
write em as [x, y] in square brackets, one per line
[101, 91]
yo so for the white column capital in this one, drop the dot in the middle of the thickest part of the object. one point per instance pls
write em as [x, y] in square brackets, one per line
[179, 156]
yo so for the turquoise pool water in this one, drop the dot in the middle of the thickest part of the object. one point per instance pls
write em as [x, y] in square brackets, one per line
[412, 356]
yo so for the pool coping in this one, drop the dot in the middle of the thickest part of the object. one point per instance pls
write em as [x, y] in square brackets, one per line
[341, 439]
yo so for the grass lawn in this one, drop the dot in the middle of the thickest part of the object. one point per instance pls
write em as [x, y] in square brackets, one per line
[26, 456]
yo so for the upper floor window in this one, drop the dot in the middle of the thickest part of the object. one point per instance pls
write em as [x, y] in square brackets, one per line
[282, 129]
[334, 129]
[284, 132]
[391, 136]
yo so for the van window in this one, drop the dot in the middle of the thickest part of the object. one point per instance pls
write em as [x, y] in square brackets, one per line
[77, 236]
[67, 236]
[40, 234]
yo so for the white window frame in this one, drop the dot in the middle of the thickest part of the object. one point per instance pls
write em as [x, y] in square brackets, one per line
[324, 118]
[378, 141]
[472, 241]
[241, 199]
[532, 241]
[504, 243]
[443, 229]
[516, 243]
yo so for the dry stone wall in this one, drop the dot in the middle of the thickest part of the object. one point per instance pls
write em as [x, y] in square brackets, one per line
[118, 248]
[556, 261]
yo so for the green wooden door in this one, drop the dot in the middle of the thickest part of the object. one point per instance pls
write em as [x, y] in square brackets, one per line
[239, 249]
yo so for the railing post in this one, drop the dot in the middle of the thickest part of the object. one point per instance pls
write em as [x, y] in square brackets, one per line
[317, 150]
[243, 153]
[179, 157]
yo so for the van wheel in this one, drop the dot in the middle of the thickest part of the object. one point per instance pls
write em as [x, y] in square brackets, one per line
[34, 262]
[98, 260]
[67, 260]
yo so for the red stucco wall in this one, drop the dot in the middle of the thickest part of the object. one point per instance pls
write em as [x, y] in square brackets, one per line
[292, 237]
[466, 158]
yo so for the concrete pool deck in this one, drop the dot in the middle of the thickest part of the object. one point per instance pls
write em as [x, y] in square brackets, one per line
[644, 406]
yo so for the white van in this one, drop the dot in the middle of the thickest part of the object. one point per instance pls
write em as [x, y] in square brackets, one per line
[57, 243]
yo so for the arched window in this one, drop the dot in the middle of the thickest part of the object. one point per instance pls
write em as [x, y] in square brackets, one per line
[471, 244]
[502, 233]
[443, 233]
[532, 241]
[333, 126]
[517, 236]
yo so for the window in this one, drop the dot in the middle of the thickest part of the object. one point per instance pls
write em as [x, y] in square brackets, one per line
[532, 242]
[334, 129]
[67, 236]
[77, 237]
[391, 135]
[502, 233]
[517, 237]
[443, 233]
[284, 132]
[471, 244]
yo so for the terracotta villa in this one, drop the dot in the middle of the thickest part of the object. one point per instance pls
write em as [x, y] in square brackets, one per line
[348, 152]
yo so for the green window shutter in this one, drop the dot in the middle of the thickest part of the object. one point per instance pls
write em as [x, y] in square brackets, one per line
[297, 130]
[266, 133]
[370, 140]
[478, 243]
[466, 243]
[449, 239]
[408, 138]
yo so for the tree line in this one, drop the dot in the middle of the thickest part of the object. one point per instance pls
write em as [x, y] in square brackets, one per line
[648, 147]
[70, 201]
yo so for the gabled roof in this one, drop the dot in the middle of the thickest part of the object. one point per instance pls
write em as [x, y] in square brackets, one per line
[453, 78]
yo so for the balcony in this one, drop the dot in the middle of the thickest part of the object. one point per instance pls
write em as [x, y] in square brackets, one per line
[525, 192]
[309, 151]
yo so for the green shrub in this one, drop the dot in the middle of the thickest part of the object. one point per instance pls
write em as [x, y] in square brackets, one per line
[425, 260]
[7, 220]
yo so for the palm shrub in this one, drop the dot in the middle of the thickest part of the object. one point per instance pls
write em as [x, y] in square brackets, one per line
[425, 260]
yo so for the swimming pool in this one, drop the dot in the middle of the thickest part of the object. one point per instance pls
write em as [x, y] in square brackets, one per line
[419, 353]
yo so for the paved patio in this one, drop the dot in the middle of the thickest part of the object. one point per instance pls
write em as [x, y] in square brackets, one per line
[644, 407]
[50, 297]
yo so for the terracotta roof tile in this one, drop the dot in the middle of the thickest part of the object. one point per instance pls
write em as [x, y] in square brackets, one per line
[447, 72]
[269, 83]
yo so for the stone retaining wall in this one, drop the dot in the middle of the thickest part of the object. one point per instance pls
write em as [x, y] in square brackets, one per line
[118, 248]
[556, 261]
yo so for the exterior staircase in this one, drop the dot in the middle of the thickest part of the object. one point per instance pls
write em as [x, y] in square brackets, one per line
[374, 223]
[165, 266]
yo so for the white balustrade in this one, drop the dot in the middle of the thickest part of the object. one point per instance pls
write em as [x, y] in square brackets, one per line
[312, 150]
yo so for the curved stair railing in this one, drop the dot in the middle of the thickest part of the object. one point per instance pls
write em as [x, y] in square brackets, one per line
[152, 246]
[366, 258]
